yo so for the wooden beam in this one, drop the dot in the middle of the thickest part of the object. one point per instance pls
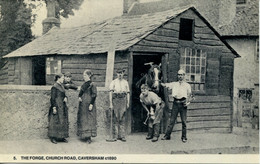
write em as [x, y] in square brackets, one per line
[130, 81]
[110, 67]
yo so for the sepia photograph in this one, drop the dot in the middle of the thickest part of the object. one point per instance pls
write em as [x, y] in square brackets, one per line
[129, 81]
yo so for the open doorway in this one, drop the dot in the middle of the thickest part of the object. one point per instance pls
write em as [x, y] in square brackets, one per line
[38, 71]
[139, 69]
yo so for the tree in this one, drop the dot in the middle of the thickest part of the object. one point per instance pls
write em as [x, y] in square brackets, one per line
[65, 8]
[16, 20]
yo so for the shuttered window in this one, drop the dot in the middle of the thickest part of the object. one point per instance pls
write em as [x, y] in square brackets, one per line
[193, 61]
[53, 66]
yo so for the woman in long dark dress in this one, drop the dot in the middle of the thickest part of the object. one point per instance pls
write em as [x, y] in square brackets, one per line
[87, 124]
[58, 129]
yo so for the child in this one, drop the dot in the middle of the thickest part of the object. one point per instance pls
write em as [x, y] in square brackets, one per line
[68, 83]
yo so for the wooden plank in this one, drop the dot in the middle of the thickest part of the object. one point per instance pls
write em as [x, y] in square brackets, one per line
[166, 32]
[79, 77]
[208, 42]
[145, 48]
[204, 30]
[208, 130]
[225, 117]
[77, 60]
[84, 66]
[175, 26]
[203, 125]
[209, 105]
[208, 112]
[157, 44]
[80, 71]
[162, 38]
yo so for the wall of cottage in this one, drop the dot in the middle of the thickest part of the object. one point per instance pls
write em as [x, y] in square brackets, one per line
[24, 112]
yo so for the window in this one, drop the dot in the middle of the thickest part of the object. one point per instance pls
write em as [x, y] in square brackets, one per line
[245, 94]
[193, 61]
[186, 29]
[53, 66]
[241, 2]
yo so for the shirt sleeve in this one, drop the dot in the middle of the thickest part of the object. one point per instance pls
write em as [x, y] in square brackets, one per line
[53, 96]
[188, 88]
[169, 85]
[93, 93]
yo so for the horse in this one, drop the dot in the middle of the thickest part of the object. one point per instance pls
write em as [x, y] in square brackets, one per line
[152, 78]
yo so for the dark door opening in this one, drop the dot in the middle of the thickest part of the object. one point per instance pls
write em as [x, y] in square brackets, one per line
[38, 71]
[139, 69]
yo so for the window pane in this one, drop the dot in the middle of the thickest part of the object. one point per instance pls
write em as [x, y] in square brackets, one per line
[203, 62]
[192, 61]
[198, 69]
[187, 60]
[203, 70]
[201, 87]
[192, 78]
[196, 87]
[192, 69]
[193, 52]
[203, 78]
[187, 51]
[197, 61]
[187, 69]
[198, 53]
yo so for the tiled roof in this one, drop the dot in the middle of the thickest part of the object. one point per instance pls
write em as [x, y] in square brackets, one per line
[245, 23]
[120, 32]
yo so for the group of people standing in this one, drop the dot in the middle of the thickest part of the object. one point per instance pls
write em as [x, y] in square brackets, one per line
[119, 99]
[58, 129]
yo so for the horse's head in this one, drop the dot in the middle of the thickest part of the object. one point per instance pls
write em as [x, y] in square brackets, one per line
[155, 74]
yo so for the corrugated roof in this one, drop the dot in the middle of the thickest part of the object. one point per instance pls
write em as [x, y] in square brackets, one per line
[245, 23]
[120, 33]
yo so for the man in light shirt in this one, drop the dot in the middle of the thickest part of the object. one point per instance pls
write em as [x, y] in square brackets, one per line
[119, 102]
[181, 92]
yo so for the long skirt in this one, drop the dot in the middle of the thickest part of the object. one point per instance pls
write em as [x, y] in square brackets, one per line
[59, 123]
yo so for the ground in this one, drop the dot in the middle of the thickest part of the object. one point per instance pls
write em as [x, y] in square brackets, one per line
[238, 142]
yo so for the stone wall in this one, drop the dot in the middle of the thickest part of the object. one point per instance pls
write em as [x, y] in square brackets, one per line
[24, 112]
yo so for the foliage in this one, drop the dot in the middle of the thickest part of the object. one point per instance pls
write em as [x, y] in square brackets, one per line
[15, 25]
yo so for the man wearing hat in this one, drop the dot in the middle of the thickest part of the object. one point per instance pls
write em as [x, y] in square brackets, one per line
[119, 102]
[68, 83]
[181, 92]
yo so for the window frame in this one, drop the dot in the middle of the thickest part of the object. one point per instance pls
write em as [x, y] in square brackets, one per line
[183, 65]
[48, 66]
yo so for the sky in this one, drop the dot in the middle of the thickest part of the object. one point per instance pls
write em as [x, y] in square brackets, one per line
[90, 11]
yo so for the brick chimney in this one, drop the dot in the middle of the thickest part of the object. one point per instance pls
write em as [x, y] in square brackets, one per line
[128, 4]
[51, 20]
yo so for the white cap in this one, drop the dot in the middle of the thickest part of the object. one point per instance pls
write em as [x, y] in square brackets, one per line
[181, 72]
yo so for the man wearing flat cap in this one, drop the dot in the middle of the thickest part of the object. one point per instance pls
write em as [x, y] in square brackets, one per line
[181, 92]
[119, 102]
[68, 83]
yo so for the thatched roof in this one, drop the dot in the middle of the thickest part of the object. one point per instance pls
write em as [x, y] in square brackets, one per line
[120, 33]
